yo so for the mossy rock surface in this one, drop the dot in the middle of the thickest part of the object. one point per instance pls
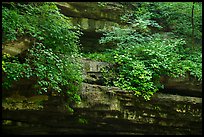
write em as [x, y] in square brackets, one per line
[18, 102]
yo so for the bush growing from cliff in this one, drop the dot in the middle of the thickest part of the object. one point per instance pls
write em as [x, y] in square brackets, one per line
[53, 59]
[142, 56]
[139, 65]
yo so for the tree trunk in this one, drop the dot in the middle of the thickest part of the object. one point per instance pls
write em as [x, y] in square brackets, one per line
[192, 22]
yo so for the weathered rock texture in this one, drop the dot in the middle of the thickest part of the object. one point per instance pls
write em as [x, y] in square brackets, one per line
[111, 11]
[163, 114]
[184, 86]
[92, 71]
[103, 110]
[92, 17]
[16, 47]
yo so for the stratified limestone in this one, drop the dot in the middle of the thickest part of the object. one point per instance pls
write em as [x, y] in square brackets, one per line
[108, 110]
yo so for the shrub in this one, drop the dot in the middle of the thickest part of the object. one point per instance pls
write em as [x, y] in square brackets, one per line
[140, 61]
[54, 56]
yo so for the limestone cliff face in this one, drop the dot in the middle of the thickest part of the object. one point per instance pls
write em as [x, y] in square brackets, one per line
[16, 47]
[92, 17]
[109, 11]
[102, 110]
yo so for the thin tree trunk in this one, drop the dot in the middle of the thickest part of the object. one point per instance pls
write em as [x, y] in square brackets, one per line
[192, 22]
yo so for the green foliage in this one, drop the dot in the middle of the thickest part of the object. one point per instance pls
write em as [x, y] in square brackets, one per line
[166, 16]
[102, 4]
[11, 21]
[176, 16]
[44, 23]
[142, 56]
[53, 58]
[140, 61]
[55, 72]
[14, 70]
[82, 121]
[141, 18]
[193, 62]
[104, 56]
